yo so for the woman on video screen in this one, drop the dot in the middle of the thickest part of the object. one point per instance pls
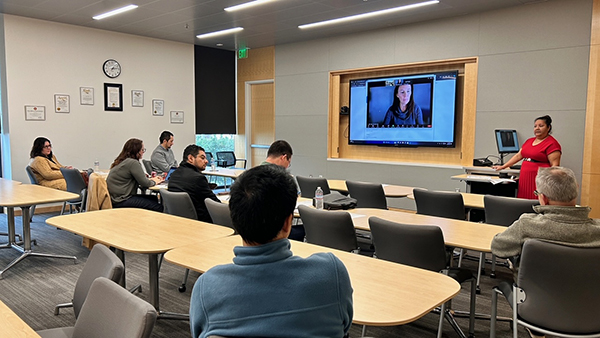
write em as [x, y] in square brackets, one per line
[404, 110]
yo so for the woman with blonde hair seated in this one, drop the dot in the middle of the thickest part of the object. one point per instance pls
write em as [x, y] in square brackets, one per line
[45, 166]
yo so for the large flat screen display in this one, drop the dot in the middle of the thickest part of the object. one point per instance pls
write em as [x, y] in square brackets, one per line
[404, 111]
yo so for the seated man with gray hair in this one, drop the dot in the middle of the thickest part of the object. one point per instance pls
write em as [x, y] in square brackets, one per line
[556, 220]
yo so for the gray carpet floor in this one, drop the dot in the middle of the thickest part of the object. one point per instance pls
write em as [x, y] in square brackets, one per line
[34, 286]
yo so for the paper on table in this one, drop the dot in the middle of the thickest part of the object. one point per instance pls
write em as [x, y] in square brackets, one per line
[357, 216]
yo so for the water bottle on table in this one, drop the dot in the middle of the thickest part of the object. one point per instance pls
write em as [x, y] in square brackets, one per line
[96, 165]
[213, 165]
[319, 198]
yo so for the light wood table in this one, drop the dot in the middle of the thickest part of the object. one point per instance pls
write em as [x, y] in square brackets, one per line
[462, 234]
[385, 293]
[389, 189]
[140, 231]
[6, 182]
[24, 196]
[13, 326]
[224, 172]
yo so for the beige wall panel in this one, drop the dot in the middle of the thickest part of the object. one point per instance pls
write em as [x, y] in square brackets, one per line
[303, 57]
[542, 26]
[304, 94]
[435, 40]
[377, 49]
[544, 80]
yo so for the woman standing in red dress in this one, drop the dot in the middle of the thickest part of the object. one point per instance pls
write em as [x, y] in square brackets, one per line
[542, 150]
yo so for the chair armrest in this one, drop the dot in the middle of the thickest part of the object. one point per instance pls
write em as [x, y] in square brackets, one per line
[242, 159]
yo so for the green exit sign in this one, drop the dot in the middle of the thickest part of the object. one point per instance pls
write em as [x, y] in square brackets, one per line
[243, 53]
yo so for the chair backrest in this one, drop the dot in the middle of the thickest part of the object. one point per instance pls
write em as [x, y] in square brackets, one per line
[505, 210]
[308, 185]
[219, 213]
[367, 195]
[333, 229]
[148, 166]
[31, 175]
[226, 158]
[75, 182]
[178, 204]
[100, 263]
[209, 157]
[111, 311]
[561, 287]
[439, 203]
[421, 246]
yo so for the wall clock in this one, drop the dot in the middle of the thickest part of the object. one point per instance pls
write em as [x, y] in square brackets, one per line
[111, 68]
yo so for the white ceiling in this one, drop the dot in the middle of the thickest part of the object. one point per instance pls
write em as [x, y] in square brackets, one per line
[265, 25]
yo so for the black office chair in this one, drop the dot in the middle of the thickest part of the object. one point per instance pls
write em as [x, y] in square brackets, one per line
[421, 246]
[227, 159]
[76, 185]
[179, 204]
[556, 292]
[505, 211]
[333, 229]
[308, 185]
[367, 195]
[440, 203]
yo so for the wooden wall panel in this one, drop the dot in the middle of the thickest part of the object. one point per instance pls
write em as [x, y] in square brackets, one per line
[590, 182]
[462, 154]
[260, 65]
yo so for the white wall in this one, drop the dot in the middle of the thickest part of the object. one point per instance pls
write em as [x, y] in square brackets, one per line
[533, 60]
[45, 58]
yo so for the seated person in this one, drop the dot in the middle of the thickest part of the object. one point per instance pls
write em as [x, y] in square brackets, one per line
[267, 291]
[126, 176]
[188, 178]
[45, 166]
[556, 220]
[162, 157]
[279, 153]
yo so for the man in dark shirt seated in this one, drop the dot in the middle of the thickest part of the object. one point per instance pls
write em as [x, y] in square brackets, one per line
[189, 178]
[267, 291]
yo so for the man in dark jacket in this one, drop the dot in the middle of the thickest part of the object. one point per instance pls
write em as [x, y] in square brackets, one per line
[189, 178]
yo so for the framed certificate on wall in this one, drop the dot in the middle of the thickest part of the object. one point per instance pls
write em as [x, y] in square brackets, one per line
[113, 97]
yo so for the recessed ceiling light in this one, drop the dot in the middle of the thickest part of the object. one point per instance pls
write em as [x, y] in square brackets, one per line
[367, 15]
[246, 5]
[226, 31]
[219, 45]
[115, 12]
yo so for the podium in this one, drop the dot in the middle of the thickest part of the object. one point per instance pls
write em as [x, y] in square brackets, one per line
[487, 181]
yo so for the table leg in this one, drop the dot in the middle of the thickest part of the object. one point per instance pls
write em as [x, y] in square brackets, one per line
[153, 268]
[10, 220]
[26, 249]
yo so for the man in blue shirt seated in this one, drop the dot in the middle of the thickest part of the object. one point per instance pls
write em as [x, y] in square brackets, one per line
[268, 292]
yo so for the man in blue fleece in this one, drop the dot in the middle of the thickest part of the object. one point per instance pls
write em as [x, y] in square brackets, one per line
[268, 292]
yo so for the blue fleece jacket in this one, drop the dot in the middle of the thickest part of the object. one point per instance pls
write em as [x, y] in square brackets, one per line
[268, 292]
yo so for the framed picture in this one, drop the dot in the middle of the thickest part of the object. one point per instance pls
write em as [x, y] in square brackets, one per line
[177, 117]
[113, 97]
[86, 96]
[35, 113]
[158, 107]
[61, 103]
[137, 98]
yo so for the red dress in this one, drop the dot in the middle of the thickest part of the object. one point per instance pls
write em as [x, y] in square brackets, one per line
[529, 169]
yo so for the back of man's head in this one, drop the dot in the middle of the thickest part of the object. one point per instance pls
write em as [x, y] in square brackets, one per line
[165, 136]
[557, 184]
[262, 199]
[280, 148]
[193, 150]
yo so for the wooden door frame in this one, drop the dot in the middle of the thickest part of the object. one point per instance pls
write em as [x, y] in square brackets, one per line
[248, 115]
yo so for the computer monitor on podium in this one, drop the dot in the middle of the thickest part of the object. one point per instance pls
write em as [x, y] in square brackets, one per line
[507, 142]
